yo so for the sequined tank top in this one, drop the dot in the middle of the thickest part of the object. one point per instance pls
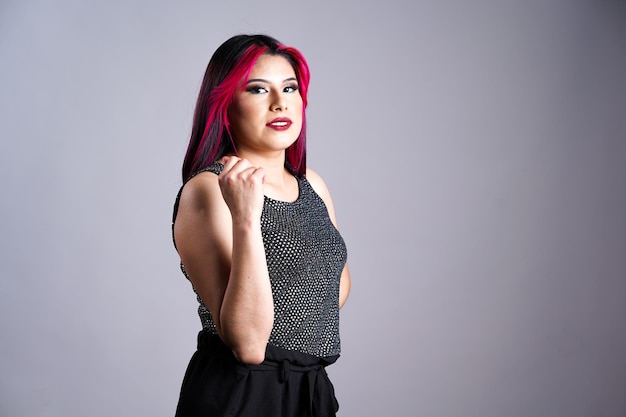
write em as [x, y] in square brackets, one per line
[305, 257]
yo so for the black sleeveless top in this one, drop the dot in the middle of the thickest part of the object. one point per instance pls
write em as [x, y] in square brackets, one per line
[305, 257]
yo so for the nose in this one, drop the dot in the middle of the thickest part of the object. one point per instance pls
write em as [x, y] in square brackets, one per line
[278, 103]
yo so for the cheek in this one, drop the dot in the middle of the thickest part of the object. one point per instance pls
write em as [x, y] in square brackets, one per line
[298, 105]
[237, 120]
[301, 111]
[240, 115]
[237, 110]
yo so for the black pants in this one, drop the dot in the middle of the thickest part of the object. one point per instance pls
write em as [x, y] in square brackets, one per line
[286, 384]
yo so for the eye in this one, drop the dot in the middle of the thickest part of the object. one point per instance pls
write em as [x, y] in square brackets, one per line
[291, 88]
[256, 89]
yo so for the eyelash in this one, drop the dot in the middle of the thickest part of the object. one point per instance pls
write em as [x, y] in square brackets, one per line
[293, 87]
[257, 89]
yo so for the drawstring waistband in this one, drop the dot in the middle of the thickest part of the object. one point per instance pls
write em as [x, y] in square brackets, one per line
[315, 375]
[285, 367]
[281, 364]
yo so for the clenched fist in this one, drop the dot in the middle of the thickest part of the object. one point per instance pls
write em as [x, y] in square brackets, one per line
[242, 188]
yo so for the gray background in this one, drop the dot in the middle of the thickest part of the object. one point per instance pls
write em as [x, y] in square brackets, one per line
[476, 151]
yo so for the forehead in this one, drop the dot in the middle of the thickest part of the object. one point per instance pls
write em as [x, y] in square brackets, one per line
[271, 67]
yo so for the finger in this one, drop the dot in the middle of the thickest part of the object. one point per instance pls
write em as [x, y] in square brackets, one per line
[257, 174]
[246, 174]
[240, 171]
[229, 162]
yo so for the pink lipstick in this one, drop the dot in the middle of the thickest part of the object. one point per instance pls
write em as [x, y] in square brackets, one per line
[280, 123]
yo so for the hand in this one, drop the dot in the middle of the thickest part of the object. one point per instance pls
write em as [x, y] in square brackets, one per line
[242, 188]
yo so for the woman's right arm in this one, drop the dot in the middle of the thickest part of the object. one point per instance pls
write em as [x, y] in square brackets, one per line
[218, 235]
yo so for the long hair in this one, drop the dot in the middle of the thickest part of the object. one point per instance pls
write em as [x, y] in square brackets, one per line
[231, 63]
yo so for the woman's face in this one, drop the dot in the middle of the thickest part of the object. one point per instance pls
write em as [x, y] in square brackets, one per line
[266, 115]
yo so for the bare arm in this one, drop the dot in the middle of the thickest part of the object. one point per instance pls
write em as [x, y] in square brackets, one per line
[320, 188]
[218, 235]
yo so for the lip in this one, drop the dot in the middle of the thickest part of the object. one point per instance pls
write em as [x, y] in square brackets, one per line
[280, 123]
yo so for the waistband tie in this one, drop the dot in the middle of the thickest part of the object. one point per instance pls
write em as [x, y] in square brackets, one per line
[315, 385]
[286, 367]
[286, 371]
[316, 381]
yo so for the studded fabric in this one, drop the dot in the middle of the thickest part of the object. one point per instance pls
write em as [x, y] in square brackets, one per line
[305, 257]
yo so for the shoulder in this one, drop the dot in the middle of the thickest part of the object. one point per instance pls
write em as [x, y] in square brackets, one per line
[202, 185]
[203, 221]
[200, 191]
[201, 202]
[318, 184]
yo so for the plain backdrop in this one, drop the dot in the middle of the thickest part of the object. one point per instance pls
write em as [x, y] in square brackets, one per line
[475, 150]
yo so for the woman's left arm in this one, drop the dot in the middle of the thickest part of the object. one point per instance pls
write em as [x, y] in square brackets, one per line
[320, 188]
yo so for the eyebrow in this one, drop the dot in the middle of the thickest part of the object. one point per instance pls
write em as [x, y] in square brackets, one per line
[261, 80]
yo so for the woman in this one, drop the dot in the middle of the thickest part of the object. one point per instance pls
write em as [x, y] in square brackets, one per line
[256, 233]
